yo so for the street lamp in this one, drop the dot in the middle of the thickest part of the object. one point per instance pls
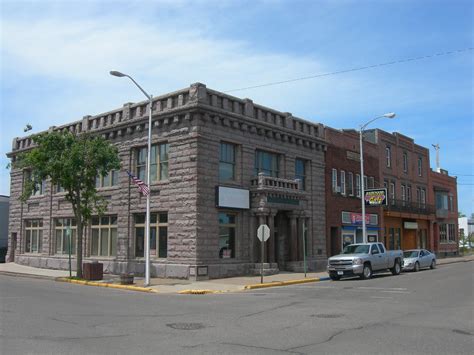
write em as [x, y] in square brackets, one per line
[147, 223]
[362, 127]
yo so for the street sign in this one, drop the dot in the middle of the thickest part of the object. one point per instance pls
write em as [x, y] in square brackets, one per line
[263, 233]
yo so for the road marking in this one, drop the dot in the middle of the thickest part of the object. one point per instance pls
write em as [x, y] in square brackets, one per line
[383, 288]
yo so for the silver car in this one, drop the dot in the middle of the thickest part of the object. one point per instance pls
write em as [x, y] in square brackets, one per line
[416, 259]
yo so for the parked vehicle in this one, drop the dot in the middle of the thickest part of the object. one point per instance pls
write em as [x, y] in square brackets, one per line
[416, 259]
[364, 260]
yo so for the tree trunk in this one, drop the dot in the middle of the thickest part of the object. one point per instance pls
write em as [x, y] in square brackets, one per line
[79, 247]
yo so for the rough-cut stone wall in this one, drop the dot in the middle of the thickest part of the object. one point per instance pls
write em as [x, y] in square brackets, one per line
[193, 122]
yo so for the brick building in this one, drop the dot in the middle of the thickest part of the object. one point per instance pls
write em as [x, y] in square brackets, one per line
[443, 195]
[404, 171]
[343, 204]
[220, 167]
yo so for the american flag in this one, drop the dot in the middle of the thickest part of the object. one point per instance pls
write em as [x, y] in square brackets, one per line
[144, 189]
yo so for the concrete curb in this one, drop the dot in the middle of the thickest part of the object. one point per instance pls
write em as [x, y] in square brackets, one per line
[281, 283]
[109, 285]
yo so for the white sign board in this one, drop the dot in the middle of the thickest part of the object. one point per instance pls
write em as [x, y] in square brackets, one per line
[230, 197]
[263, 233]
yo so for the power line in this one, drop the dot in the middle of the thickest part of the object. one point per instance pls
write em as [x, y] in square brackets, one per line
[352, 69]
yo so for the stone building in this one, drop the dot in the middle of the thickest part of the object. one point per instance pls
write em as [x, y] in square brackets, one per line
[220, 167]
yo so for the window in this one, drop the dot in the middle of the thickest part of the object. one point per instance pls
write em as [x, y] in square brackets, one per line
[65, 230]
[158, 165]
[227, 228]
[420, 166]
[374, 249]
[267, 163]
[227, 162]
[39, 187]
[404, 194]
[441, 201]
[392, 193]
[405, 162]
[423, 198]
[408, 194]
[59, 188]
[452, 232]
[300, 172]
[110, 179]
[343, 182]
[358, 191]
[334, 180]
[450, 203]
[365, 182]
[371, 182]
[104, 236]
[33, 235]
[388, 156]
[350, 184]
[158, 235]
[443, 233]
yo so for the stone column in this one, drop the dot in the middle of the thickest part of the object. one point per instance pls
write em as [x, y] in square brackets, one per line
[301, 220]
[293, 238]
[271, 240]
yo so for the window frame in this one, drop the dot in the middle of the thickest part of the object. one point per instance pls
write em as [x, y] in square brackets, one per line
[388, 156]
[259, 163]
[232, 236]
[334, 180]
[65, 223]
[301, 177]
[405, 162]
[159, 225]
[343, 183]
[350, 184]
[31, 229]
[157, 162]
[223, 161]
[109, 227]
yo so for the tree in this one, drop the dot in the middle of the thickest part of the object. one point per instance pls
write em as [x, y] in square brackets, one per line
[461, 215]
[72, 162]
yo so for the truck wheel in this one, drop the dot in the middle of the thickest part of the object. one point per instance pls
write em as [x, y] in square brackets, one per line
[366, 272]
[417, 267]
[396, 268]
[433, 265]
[334, 277]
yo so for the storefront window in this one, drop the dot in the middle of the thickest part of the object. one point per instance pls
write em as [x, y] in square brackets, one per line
[33, 235]
[104, 236]
[227, 228]
[65, 230]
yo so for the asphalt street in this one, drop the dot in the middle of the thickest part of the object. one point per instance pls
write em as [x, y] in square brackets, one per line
[430, 312]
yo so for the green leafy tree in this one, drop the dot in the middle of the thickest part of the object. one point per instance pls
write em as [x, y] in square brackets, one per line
[72, 162]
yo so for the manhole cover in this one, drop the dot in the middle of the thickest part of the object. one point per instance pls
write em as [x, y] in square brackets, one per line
[328, 315]
[186, 326]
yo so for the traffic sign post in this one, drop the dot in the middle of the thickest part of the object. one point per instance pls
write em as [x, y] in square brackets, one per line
[263, 233]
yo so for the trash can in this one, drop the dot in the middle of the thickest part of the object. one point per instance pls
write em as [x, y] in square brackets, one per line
[93, 270]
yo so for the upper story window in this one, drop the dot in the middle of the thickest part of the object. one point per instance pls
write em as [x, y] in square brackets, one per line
[343, 182]
[371, 182]
[420, 166]
[365, 182]
[450, 203]
[33, 235]
[39, 188]
[405, 162]
[441, 201]
[404, 193]
[334, 180]
[158, 165]
[350, 184]
[227, 162]
[109, 179]
[388, 156]
[267, 163]
[392, 192]
[300, 172]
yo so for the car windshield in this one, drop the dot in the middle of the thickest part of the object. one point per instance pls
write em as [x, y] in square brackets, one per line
[356, 249]
[410, 254]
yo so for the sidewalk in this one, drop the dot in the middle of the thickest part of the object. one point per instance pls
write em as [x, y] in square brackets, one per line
[231, 284]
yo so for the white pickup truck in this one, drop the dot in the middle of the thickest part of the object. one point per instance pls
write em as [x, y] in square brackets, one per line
[363, 260]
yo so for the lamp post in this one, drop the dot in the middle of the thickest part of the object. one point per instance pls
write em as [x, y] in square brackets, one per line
[147, 222]
[362, 127]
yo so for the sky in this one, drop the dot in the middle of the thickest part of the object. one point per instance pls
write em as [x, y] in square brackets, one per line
[56, 57]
